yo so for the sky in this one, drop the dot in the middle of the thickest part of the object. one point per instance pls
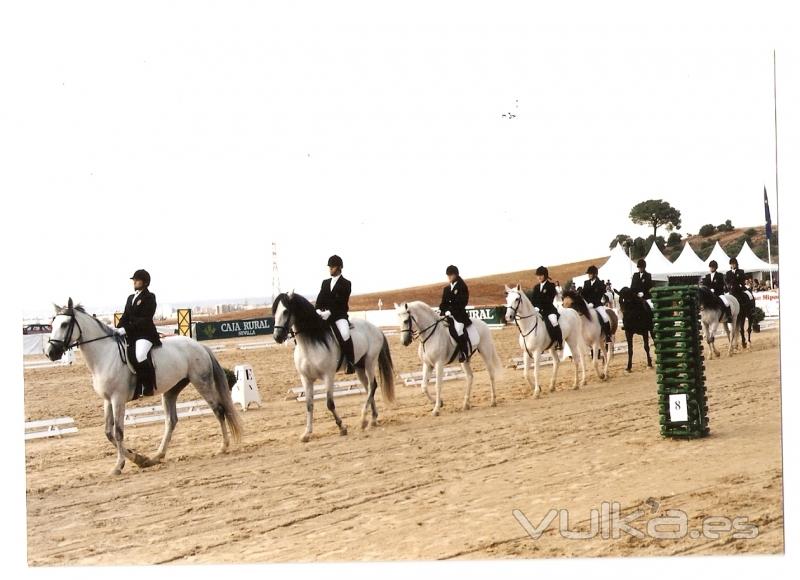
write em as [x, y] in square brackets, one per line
[187, 144]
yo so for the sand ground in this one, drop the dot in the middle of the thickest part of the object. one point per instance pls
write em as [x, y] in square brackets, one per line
[416, 486]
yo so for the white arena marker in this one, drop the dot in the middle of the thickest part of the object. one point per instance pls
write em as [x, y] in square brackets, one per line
[678, 410]
[245, 391]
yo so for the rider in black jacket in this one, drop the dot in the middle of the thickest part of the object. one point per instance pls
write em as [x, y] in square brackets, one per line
[137, 323]
[455, 297]
[542, 297]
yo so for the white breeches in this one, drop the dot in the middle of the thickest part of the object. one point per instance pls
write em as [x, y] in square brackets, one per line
[459, 326]
[601, 310]
[649, 303]
[143, 346]
[553, 319]
[724, 300]
[344, 328]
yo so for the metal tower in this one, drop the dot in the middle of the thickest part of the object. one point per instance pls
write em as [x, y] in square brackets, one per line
[276, 281]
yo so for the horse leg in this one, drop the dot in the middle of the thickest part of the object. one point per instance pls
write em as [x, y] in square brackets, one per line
[118, 407]
[646, 340]
[488, 358]
[308, 388]
[468, 389]
[556, 361]
[332, 406]
[169, 401]
[629, 340]
[374, 421]
[362, 376]
[536, 390]
[108, 414]
[439, 372]
[426, 375]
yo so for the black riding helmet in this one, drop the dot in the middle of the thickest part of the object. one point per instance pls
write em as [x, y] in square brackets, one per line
[542, 271]
[592, 270]
[451, 270]
[733, 261]
[641, 263]
[713, 264]
[142, 275]
[335, 261]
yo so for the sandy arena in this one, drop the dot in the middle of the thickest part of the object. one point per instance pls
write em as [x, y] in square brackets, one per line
[416, 487]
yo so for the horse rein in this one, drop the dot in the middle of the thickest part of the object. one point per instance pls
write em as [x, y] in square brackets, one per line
[417, 334]
[517, 317]
[67, 343]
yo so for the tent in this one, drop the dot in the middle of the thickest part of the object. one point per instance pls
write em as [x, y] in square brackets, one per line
[657, 264]
[618, 269]
[720, 256]
[687, 264]
[749, 262]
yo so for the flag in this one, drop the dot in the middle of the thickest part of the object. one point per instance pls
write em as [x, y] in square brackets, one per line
[766, 215]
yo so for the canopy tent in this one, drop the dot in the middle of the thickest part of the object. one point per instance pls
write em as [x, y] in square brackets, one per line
[720, 256]
[618, 269]
[749, 262]
[687, 264]
[657, 264]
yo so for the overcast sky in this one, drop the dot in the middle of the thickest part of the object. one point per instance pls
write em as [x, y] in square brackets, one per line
[187, 141]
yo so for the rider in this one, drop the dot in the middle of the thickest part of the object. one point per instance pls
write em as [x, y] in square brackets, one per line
[734, 280]
[642, 282]
[332, 305]
[593, 292]
[137, 323]
[454, 304]
[542, 298]
[715, 282]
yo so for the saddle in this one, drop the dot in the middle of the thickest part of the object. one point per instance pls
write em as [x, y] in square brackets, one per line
[360, 362]
[130, 354]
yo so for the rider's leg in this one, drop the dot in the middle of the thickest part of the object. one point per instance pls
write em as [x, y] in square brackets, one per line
[606, 325]
[343, 326]
[145, 372]
[553, 320]
[461, 338]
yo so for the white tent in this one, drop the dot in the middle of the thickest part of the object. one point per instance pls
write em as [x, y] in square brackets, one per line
[720, 256]
[657, 264]
[618, 269]
[688, 263]
[749, 262]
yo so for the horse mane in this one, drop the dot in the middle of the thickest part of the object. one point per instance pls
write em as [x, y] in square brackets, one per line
[578, 303]
[305, 316]
[707, 298]
[65, 310]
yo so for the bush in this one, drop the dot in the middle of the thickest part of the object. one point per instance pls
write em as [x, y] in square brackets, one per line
[707, 230]
[750, 232]
[674, 239]
[726, 227]
[758, 315]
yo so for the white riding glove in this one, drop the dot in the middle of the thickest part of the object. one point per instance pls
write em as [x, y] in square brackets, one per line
[640, 294]
[448, 313]
[324, 314]
[121, 331]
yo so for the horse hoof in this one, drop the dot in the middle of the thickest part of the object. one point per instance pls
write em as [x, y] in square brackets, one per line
[305, 437]
[364, 424]
[435, 412]
[536, 394]
[493, 404]
[343, 431]
[553, 389]
[373, 423]
[465, 407]
[115, 472]
[628, 371]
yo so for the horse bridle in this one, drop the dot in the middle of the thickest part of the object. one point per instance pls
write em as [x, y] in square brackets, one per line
[418, 333]
[66, 342]
[517, 317]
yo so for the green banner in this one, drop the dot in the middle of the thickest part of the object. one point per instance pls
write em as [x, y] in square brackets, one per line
[234, 328]
[489, 314]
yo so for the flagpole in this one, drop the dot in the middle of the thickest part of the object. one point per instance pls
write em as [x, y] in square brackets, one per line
[775, 110]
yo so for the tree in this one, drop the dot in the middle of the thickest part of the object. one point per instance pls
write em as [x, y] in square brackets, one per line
[620, 239]
[656, 213]
[674, 239]
[726, 227]
[638, 249]
[707, 230]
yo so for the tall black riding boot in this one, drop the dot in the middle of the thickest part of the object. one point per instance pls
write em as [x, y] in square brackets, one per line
[607, 330]
[463, 347]
[349, 357]
[558, 337]
[145, 379]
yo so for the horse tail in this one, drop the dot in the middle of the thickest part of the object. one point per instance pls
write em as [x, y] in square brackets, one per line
[492, 357]
[229, 412]
[386, 368]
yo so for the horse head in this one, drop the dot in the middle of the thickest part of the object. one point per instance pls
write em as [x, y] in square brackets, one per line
[514, 299]
[65, 330]
[406, 328]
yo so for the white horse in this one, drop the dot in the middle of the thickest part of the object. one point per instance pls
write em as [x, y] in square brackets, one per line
[712, 315]
[534, 338]
[592, 330]
[318, 356]
[179, 361]
[437, 348]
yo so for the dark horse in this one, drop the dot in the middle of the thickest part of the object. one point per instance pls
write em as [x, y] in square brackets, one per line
[747, 312]
[637, 318]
